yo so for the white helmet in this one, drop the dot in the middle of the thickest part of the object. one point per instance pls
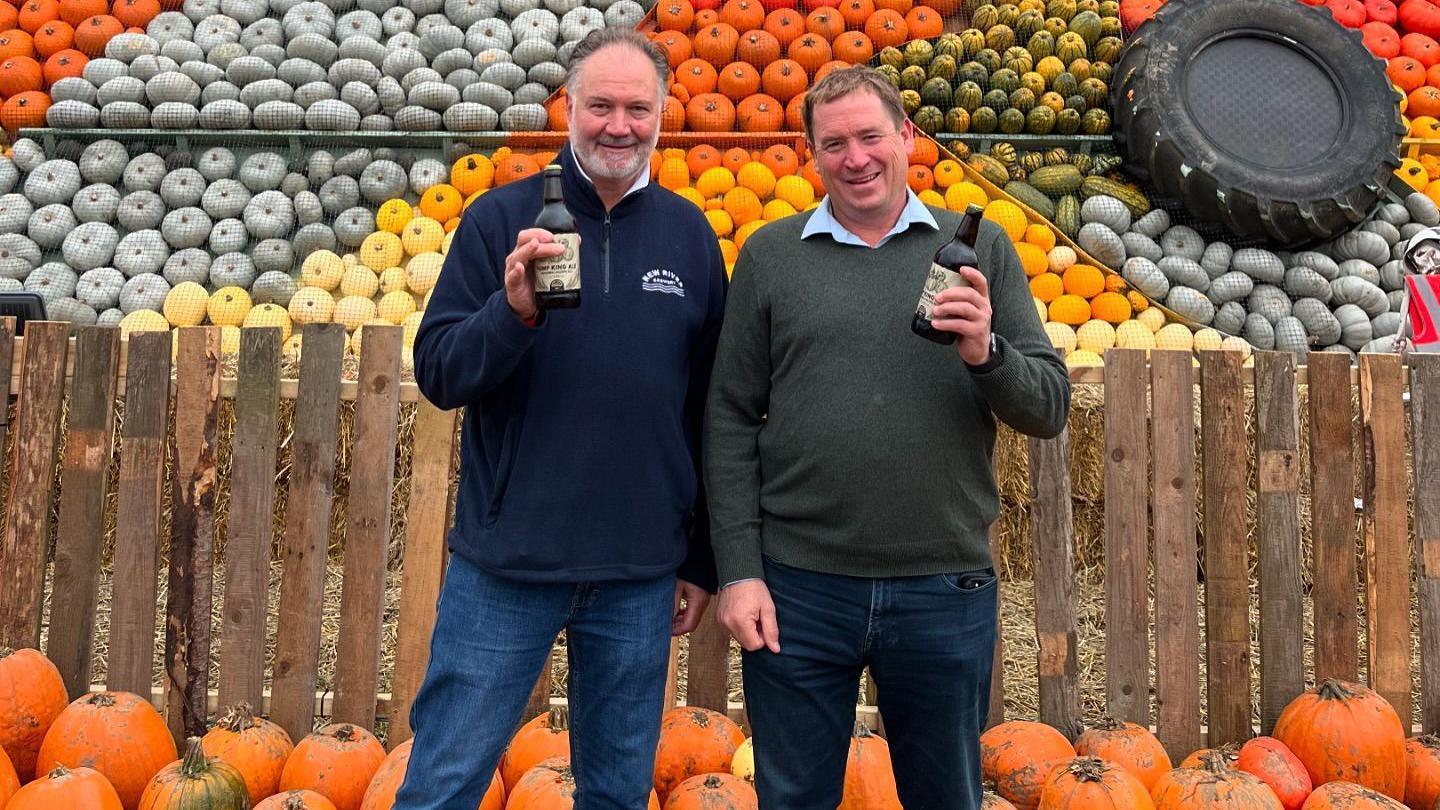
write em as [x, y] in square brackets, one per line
[1422, 253]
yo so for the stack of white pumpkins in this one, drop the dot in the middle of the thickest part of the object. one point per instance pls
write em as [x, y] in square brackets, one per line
[337, 65]
[1344, 295]
[99, 233]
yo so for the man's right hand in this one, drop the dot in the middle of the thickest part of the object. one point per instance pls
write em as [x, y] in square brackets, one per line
[530, 244]
[748, 612]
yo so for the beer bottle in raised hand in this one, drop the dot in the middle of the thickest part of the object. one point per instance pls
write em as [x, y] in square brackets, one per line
[944, 273]
[557, 278]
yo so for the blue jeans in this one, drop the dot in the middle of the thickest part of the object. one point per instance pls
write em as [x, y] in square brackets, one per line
[491, 639]
[929, 642]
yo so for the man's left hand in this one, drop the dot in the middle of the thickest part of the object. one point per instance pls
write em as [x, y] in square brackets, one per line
[966, 312]
[690, 602]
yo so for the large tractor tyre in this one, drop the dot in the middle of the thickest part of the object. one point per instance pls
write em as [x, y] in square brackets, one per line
[1262, 115]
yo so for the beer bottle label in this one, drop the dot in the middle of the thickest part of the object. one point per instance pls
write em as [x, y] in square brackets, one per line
[559, 273]
[939, 279]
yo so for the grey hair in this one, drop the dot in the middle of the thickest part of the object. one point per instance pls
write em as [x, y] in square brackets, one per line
[602, 38]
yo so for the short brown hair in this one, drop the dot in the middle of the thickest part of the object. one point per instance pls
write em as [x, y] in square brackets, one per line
[842, 82]
[605, 37]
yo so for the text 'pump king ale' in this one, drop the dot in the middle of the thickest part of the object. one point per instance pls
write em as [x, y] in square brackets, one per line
[557, 278]
[944, 273]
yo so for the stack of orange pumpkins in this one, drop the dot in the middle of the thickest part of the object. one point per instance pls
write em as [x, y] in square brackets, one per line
[44, 41]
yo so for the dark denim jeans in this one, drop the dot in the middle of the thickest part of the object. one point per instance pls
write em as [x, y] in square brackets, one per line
[491, 637]
[929, 642]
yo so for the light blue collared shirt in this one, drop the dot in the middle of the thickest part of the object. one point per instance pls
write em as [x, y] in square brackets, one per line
[822, 221]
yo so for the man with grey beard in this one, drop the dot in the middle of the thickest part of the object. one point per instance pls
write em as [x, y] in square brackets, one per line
[579, 504]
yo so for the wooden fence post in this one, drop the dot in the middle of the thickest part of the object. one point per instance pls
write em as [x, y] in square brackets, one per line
[1055, 583]
[1127, 547]
[1177, 637]
[1227, 574]
[1387, 535]
[1425, 413]
[1332, 517]
[1282, 617]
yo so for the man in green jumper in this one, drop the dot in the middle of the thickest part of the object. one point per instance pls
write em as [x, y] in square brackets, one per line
[848, 465]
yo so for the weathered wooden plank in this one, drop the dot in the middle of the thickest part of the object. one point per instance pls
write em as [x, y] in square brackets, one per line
[672, 674]
[251, 529]
[1277, 431]
[1127, 546]
[996, 715]
[1332, 517]
[7, 353]
[32, 491]
[367, 527]
[307, 528]
[144, 437]
[192, 530]
[1227, 577]
[707, 664]
[85, 468]
[1177, 634]
[1055, 574]
[1425, 418]
[1387, 531]
[539, 701]
[427, 518]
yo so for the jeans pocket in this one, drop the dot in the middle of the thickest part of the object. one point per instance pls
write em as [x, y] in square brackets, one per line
[970, 582]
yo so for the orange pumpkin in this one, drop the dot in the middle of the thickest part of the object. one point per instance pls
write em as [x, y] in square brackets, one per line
[545, 736]
[1341, 795]
[9, 16]
[16, 42]
[1268, 760]
[116, 733]
[1425, 101]
[714, 791]
[795, 113]
[757, 48]
[53, 37]
[296, 800]
[20, 74]
[675, 44]
[923, 152]
[760, 113]
[255, 746]
[77, 789]
[1212, 784]
[1087, 783]
[1345, 731]
[693, 741]
[1422, 771]
[856, 12]
[514, 166]
[887, 28]
[738, 80]
[1128, 745]
[672, 115]
[919, 178]
[991, 801]
[1018, 755]
[780, 160]
[9, 781]
[441, 202]
[784, 79]
[785, 24]
[706, 17]
[75, 12]
[24, 110]
[869, 775]
[32, 695]
[825, 22]
[135, 13]
[338, 762]
[93, 33]
[811, 173]
[675, 15]
[853, 47]
[380, 795]
[700, 159]
[735, 159]
[36, 13]
[742, 15]
[697, 76]
[710, 112]
[924, 23]
[810, 51]
[550, 785]
[64, 64]
[1230, 754]
[716, 44]
[1406, 73]
[825, 69]
[899, 6]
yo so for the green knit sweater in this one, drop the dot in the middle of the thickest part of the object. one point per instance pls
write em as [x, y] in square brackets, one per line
[839, 441]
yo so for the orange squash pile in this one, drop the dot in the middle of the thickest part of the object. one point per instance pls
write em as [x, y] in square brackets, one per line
[44, 41]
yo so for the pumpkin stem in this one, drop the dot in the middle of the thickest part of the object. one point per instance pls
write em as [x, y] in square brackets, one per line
[102, 699]
[345, 732]
[1087, 769]
[238, 718]
[58, 772]
[861, 730]
[1216, 761]
[713, 782]
[194, 765]
[1109, 724]
[295, 802]
[559, 719]
[6, 652]
[1333, 689]
[1429, 740]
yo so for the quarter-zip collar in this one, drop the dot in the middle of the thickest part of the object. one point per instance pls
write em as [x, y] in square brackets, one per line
[580, 192]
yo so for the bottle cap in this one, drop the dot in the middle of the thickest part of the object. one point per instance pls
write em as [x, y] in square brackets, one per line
[972, 208]
[555, 166]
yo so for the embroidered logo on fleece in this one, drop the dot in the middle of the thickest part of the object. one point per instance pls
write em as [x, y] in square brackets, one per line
[663, 281]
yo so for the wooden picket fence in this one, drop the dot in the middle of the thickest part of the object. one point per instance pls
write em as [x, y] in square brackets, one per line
[1151, 487]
